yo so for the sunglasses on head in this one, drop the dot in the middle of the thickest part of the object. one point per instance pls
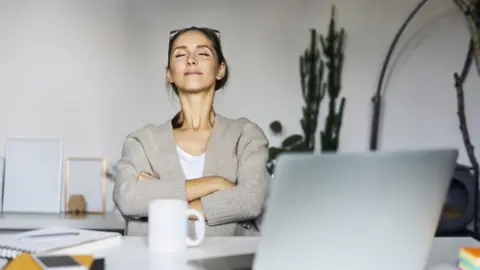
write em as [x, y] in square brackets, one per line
[174, 32]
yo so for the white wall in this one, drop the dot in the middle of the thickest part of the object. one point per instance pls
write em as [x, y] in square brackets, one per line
[90, 73]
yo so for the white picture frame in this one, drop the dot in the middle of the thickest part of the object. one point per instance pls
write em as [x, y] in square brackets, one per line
[33, 175]
[2, 179]
[86, 176]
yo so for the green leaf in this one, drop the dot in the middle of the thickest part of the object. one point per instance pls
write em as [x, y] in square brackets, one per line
[273, 152]
[301, 147]
[292, 140]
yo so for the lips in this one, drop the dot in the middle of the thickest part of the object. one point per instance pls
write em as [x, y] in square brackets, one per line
[192, 73]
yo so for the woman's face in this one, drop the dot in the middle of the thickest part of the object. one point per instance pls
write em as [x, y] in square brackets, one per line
[194, 63]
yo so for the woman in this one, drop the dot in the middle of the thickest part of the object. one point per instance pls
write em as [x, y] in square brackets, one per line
[215, 163]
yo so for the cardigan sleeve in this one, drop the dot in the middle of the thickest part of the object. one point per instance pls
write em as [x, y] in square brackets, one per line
[245, 201]
[133, 196]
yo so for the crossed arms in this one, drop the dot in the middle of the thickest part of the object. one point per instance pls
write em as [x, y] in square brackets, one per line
[195, 189]
[220, 200]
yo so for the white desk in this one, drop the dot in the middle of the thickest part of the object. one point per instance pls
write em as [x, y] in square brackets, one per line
[236, 252]
[14, 223]
[445, 250]
[214, 253]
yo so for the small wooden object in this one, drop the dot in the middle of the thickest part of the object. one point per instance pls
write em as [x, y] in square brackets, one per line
[77, 205]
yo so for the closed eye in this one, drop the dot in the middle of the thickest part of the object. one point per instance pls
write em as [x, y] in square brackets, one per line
[179, 55]
[204, 54]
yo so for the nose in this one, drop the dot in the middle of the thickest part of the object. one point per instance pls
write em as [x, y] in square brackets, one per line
[191, 61]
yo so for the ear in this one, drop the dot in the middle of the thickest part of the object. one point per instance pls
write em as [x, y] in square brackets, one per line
[221, 71]
[168, 75]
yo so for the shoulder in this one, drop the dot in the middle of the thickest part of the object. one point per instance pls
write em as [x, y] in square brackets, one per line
[244, 128]
[150, 132]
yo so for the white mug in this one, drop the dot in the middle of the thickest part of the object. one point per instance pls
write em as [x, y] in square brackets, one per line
[167, 226]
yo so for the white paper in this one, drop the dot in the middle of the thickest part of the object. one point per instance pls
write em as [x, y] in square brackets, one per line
[33, 176]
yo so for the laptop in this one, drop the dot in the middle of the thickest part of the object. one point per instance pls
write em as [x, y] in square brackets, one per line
[361, 211]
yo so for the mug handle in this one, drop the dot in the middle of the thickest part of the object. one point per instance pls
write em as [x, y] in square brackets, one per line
[199, 231]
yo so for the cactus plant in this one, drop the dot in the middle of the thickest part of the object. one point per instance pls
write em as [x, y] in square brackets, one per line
[314, 88]
[332, 46]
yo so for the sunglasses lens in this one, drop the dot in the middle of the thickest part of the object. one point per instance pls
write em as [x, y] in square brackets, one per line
[173, 32]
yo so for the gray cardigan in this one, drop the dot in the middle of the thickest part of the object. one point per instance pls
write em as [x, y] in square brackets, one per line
[237, 150]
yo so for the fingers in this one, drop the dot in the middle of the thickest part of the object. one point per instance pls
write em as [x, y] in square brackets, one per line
[227, 184]
[145, 176]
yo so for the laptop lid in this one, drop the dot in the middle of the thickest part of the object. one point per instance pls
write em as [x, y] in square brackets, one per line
[362, 211]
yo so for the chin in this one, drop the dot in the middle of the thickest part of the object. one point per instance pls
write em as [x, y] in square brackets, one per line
[195, 88]
[192, 91]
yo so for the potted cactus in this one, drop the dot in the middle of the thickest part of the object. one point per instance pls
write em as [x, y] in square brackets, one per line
[315, 61]
[333, 50]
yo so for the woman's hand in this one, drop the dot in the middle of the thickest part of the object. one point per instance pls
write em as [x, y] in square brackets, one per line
[223, 183]
[197, 205]
[215, 183]
[200, 187]
[145, 176]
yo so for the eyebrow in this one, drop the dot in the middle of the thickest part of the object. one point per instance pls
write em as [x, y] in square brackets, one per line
[198, 47]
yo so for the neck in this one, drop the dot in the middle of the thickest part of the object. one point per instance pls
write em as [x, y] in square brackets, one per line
[197, 110]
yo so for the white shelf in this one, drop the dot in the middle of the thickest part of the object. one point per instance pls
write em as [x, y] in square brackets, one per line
[22, 222]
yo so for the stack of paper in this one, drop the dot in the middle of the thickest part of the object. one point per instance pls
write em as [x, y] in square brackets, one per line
[58, 239]
[469, 258]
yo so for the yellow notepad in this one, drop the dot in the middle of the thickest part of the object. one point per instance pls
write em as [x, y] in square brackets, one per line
[25, 261]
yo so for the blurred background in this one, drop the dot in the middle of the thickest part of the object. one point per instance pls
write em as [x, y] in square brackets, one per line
[90, 72]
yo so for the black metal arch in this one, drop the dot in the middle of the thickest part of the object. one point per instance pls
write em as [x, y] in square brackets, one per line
[465, 178]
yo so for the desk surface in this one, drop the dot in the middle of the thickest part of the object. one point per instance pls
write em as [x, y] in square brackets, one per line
[212, 247]
[445, 250]
[237, 252]
[213, 253]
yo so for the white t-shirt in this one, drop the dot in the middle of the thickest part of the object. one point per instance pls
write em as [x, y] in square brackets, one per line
[192, 167]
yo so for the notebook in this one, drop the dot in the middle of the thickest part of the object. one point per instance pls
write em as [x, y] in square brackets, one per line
[26, 262]
[56, 239]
